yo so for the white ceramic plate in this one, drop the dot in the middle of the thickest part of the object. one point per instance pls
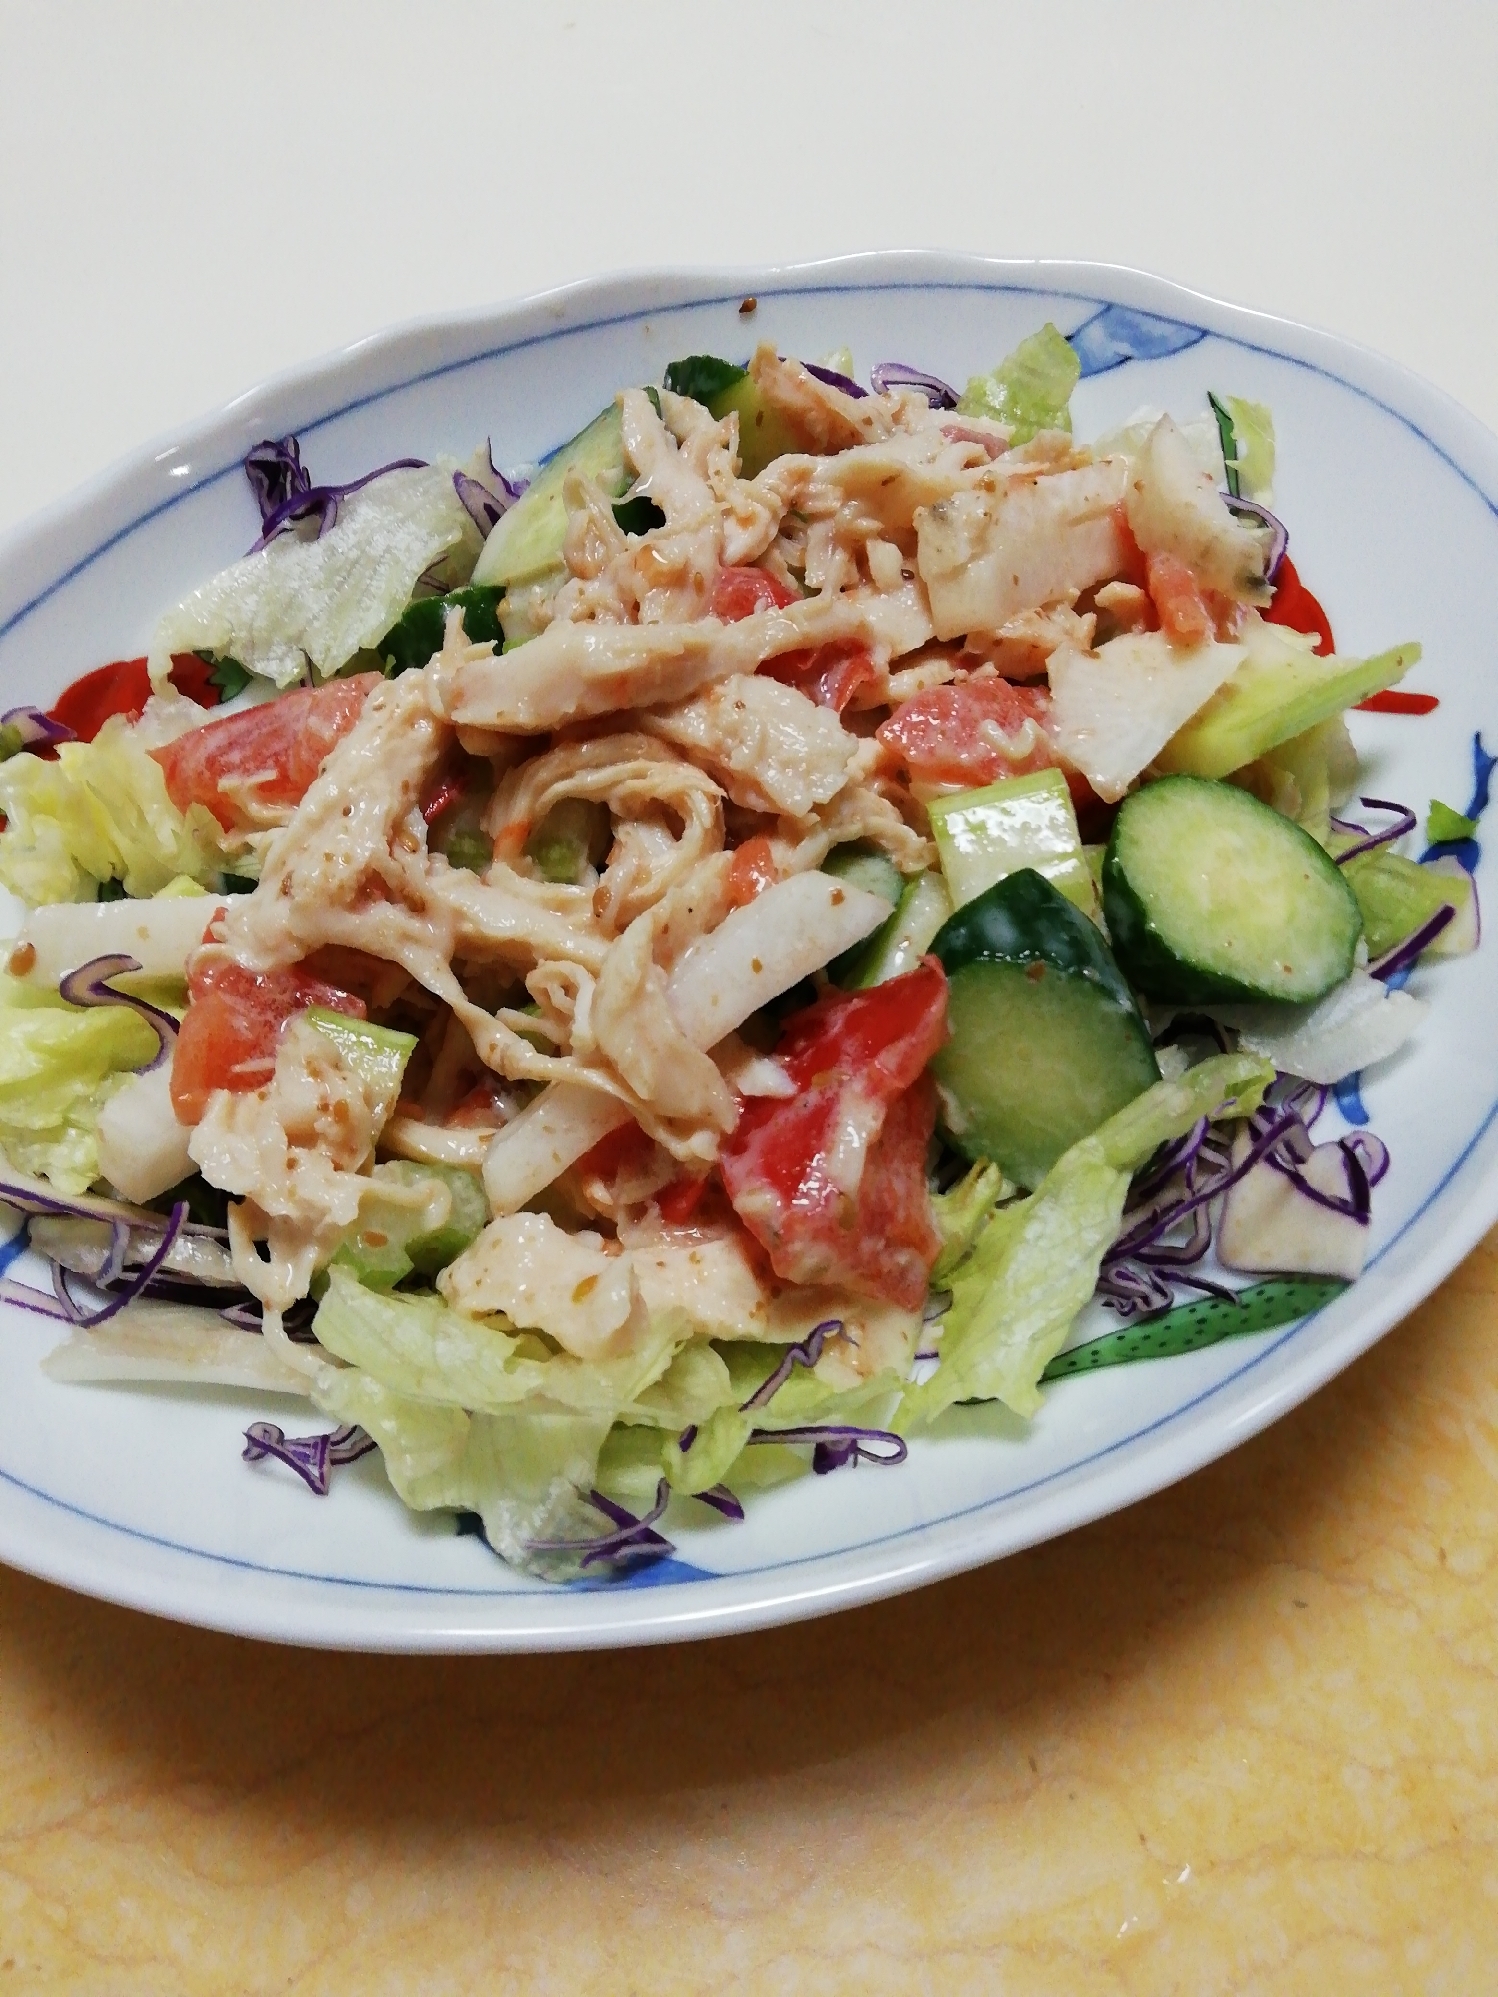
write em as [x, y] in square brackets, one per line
[1390, 492]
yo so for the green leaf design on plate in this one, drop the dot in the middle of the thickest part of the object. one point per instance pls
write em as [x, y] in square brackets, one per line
[1190, 1327]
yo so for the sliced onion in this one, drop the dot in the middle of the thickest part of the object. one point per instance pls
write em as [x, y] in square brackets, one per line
[885, 375]
[89, 985]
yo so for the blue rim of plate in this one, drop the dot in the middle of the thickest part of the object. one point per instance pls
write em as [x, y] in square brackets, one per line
[1111, 335]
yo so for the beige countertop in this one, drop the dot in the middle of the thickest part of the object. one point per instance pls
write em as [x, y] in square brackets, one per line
[1243, 1737]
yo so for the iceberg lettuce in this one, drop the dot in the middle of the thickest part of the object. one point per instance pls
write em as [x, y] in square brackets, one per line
[526, 1475]
[99, 813]
[1030, 390]
[327, 599]
[1034, 1264]
[59, 1065]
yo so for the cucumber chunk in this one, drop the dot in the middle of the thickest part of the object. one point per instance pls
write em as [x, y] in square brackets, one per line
[389, 1243]
[1030, 821]
[898, 945]
[1210, 895]
[876, 873]
[867, 868]
[416, 637]
[1046, 1040]
[526, 542]
[720, 386]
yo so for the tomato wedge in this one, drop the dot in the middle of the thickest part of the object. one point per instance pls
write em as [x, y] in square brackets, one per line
[228, 1036]
[1183, 611]
[739, 592]
[832, 1181]
[830, 674]
[271, 753]
[971, 732]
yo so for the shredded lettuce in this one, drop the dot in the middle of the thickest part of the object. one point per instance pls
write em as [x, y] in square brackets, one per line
[1252, 456]
[1034, 1264]
[526, 1475]
[419, 1345]
[59, 1065]
[327, 599]
[1446, 826]
[1397, 895]
[1030, 390]
[99, 813]
[961, 1213]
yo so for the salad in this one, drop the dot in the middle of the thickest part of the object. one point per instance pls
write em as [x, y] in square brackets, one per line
[638, 978]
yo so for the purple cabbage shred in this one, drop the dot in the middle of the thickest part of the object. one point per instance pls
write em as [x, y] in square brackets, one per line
[835, 380]
[285, 494]
[631, 1538]
[34, 727]
[1366, 841]
[89, 985]
[1149, 1258]
[807, 1353]
[1404, 954]
[1279, 534]
[312, 1457]
[837, 1444]
[487, 497]
[885, 375]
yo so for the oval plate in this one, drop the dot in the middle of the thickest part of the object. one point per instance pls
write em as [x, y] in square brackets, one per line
[1389, 490]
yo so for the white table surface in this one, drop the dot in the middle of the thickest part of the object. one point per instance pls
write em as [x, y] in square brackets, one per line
[194, 197]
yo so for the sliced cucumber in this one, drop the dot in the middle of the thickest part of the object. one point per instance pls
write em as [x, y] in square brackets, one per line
[984, 835]
[876, 873]
[1046, 1040]
[899, 944]
[388, 1242]
[1211, 895]
[417, 635]
[377, 1054]
[867, 868]
[764, 434]
[526, 542]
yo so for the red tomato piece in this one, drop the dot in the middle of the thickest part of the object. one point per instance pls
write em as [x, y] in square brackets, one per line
[1296, 608]
[233, 1022]
[752, 871]
[1182, 609]
[740, 592]
[832, 1182]
[971, 732]
[273, 751]
[830, 675]
[678, 1202]
[124, 687]
[625, 1146]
